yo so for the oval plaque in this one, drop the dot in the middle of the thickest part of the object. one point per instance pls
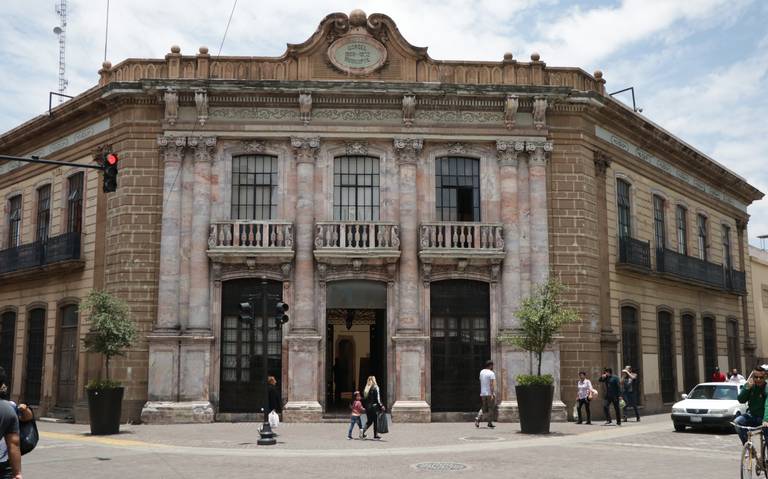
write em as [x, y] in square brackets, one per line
[357, 54]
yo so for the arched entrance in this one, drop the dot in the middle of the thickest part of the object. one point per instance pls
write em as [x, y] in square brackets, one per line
[356, 340]
[251, 348]
[460, 343]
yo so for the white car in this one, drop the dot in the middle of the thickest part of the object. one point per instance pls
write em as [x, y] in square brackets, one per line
[708, 405]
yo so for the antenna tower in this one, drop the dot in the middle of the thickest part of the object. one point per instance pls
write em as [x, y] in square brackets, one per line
[61, 31]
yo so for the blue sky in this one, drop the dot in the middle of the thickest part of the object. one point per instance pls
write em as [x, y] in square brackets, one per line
[699, 67]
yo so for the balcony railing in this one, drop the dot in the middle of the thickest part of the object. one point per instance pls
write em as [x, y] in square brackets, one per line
[736, 281]
[689, 267]
[357, 235]
[251, 235]
[55, 249]
[463, 236]
[635, 252]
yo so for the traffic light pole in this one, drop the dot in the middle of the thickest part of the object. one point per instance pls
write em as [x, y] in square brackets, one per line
[35, 159]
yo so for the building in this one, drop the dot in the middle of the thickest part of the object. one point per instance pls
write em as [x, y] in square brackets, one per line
[402, 206]
[758, 259]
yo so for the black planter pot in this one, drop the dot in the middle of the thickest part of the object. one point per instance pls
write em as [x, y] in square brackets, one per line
[534, 404]
[104, 408]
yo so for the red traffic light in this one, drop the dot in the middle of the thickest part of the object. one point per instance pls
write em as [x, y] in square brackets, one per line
[111, 159]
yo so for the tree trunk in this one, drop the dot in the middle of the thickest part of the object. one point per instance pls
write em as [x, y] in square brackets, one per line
[538, 356]
[107, 368]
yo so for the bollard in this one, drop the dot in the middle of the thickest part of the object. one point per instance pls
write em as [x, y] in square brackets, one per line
[267, 436]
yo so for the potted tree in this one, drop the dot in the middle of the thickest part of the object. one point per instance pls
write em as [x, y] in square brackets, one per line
[541, 316]
[110, 333]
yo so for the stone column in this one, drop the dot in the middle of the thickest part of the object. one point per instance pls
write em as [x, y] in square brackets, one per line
[199, 287]
[304, 337]
[749, 343]
[539, 153]
[410, 340]
[510, 218]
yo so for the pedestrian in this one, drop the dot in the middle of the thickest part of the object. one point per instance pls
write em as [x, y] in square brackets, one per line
[584, 396]
[630, 391]
[487, 395]
[717, 376]
[357, 410]
[753, 394]
[10, 452]
[735, 377]
[612, 395]
[373, 406]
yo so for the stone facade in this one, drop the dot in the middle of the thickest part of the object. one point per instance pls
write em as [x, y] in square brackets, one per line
[548, 147]
[758, 259]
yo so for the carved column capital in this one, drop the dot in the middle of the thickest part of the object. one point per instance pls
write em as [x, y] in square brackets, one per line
[305, 149]
[507, 151]
[408, 149]
[172, 147]
[539, 150]
[602, 162]
[204, 147]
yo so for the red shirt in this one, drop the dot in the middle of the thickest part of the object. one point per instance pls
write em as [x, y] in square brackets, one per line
[357, 408]
[718, 377]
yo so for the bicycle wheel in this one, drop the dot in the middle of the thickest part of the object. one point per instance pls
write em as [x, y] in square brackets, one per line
[747, 462]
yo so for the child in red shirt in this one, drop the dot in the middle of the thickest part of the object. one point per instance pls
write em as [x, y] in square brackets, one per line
[357, 410]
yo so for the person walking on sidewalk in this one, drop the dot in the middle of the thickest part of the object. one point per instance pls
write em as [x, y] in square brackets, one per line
[357, 410]
[630, 390]
[583, 393]
[612, 395]
[487, 395]
[753, 394]
[373, 406]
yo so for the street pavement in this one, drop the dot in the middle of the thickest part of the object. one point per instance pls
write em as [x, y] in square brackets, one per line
[648, 449]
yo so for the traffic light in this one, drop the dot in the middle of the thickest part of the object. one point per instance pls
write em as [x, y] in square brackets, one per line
[280, 316]
[109, 164]
[245, 313]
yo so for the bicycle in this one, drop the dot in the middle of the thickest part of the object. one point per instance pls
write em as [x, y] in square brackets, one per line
[750, 459]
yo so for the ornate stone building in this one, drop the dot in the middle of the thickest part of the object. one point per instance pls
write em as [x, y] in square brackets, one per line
[402, 206]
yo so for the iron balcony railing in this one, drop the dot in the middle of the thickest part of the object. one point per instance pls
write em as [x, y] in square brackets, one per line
[55, 249]
[357, 235]
[689, 267]
[245, 234]
[736, 281]
[464, 236]
[635, 252]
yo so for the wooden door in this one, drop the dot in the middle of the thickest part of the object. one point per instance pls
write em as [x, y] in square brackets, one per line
[67, 358]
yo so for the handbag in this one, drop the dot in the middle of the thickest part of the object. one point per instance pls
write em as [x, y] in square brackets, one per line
[28, 435]
[382, 423]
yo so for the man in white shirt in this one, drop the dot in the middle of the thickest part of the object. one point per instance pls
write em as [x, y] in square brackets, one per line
[487, 395]
[735, 377]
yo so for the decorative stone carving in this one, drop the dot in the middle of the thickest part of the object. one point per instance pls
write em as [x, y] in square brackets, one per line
[461, 265]
[391, 272]
[216, 272]
[602, 162]
[540, 151]
[507, 152]
[357, 53]
[498, 237]
[171, 100]
[539, 112]
[426, 273]
[204, 147]
[356, 264]
[457, 148]
[305, 107]
[356, 148]
[253, 146]
[305, 149]
[409, 109]
[201, 102]
[511, 105]
[460, 116]
[173, 147]
[408, 149]
[285, 268]
[495, 272]
[322, 271]
[212, 237]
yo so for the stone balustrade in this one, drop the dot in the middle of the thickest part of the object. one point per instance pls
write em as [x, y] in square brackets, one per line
[357, 235]
[462, 236]
[255, 235]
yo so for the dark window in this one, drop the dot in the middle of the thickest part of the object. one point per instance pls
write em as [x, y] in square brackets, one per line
[7, 341]
[710, 346]
[690, 357]
[658, 222]
[254, 187]
[75, 204]
[457, 184]
[682, 230]
[356, 188]
[727, 248]
[622, 199]
[66, 363]
[666, 357]
[732, 336]
[14, 222]
[43, 212]
[35, 345]
[702, 227]
[630, 337]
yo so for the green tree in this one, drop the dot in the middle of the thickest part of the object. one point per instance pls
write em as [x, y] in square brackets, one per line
[111, 330]
[541, 316]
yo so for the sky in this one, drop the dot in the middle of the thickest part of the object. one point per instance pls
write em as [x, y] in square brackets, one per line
[699, 68]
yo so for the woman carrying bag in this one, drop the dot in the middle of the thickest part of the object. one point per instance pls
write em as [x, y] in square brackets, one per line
[372, 401]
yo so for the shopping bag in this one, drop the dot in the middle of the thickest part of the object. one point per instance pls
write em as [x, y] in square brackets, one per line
[274, 420]
[575, 410]
[382, 423]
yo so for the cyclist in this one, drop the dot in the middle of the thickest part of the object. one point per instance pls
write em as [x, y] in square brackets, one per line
[753, 394]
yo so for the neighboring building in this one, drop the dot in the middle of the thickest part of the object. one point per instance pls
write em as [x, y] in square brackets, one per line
[402, 206]
[759, 290]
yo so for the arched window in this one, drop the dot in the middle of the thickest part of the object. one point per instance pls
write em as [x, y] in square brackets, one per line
[732, 335]
[457, 189]
[356, 188]
[254, 187]
[690, 357]
[710, 345]
[666, 357]
[7, 340]
[630, 337]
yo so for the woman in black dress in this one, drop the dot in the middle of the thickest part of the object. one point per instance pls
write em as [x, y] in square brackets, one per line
[373, 405]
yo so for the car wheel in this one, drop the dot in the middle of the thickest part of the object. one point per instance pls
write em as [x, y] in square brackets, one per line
[679, 427]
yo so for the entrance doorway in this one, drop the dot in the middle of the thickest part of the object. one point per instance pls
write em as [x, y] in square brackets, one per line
[356, 341]
[67, 358]
[251, 348]
[460, 343]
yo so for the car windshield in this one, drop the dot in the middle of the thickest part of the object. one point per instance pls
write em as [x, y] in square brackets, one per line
[714, 392]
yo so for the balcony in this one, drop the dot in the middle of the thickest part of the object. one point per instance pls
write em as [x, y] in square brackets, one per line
[634, 253]
[690, 268]
[476, 243]
[376, 242]
[57, 254]
[238, 240]
[736, 282]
